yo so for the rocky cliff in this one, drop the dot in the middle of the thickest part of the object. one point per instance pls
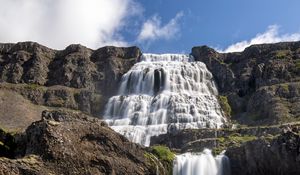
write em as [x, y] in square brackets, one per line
[76, 78]
[260, 83]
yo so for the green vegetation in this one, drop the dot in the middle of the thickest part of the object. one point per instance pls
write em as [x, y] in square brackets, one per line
[297, 63]
[34, 87]
[282, 54]
[225, 105]
[234, 139]
[163, 154]
[285, 86]
[154, 163]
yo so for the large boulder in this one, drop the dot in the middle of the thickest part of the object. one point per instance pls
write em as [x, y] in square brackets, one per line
[74, 143]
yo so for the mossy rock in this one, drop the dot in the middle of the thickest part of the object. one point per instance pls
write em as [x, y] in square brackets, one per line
[282, 54]
[225, 105]
[164, 155]
[234, 139]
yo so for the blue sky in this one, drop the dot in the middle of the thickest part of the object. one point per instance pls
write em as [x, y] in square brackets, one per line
[220, 23]
[157, 26]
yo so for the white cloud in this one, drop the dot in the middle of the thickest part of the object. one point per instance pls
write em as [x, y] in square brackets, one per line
[152, 29]
[271, 35]
[58, 23]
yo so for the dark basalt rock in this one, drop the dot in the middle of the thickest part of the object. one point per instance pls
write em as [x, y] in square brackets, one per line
[74, 143]
[84, 78]
[280, 155]
[198, 139]
[243, 75]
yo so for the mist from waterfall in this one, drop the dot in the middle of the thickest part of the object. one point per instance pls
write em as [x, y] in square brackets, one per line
[203, 163]
[164, 93]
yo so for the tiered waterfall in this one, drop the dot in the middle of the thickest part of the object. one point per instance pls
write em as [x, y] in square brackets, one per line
[164, 93]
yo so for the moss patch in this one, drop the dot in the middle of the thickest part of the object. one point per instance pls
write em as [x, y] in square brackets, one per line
[285, 86]
[234, 139]
[225, 105]
[35, 87]
[164, 155]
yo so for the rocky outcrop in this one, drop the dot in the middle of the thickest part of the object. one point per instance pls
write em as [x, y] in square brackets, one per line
[278, 155]
[77, 78]
[251, 80]
[74, 143]
[196, 140]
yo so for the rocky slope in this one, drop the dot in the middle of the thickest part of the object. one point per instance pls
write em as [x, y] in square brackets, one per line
[74, 143]
[77, 78]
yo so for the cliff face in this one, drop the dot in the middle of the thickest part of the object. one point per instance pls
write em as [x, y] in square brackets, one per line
[260, 83]
[76, 78]
[276, 155]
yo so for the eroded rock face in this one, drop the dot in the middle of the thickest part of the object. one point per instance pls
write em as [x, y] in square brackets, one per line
[74, 143]
[280, 155]
[244, 75]
[76, 78]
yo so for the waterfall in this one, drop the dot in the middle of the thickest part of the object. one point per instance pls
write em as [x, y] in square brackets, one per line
[164, 93]
[201, 164]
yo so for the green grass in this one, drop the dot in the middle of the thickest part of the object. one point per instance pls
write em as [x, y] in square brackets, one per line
[234, 139]
[34, 87]
[163, 153]
[225, 105]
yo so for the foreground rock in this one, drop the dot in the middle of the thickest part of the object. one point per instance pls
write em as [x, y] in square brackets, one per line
[74, 143]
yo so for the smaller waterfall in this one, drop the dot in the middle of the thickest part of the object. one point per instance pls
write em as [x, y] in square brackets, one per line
[203, 163]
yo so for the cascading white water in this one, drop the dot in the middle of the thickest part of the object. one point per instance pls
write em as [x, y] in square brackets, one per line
[201, 164]
[164, 93]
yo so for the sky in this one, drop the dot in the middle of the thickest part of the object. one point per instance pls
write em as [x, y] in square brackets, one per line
[156, 26]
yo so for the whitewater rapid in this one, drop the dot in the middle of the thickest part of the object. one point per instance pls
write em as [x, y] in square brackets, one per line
[164, 93]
